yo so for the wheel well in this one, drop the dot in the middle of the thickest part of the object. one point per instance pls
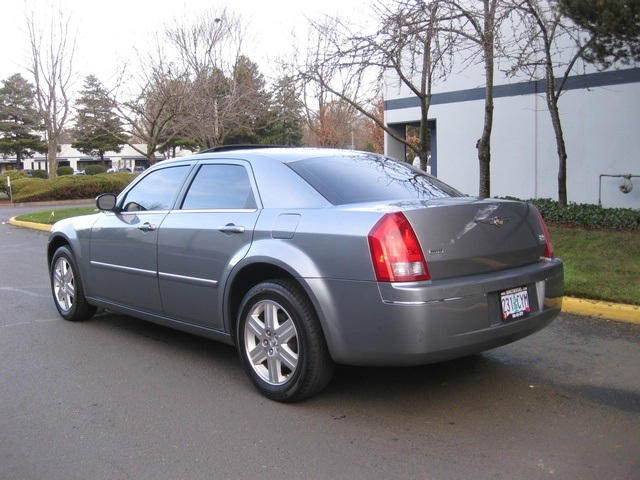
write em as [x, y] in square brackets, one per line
[54, 244]
[245, 281]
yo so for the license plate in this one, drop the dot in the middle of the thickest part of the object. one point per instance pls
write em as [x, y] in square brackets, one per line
[515, 303]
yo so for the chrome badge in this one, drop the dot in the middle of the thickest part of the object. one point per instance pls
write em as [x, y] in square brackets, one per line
[496, 221]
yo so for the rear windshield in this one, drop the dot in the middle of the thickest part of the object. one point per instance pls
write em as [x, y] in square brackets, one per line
[348, 179]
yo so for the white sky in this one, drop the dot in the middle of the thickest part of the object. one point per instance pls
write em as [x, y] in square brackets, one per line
[108, 30]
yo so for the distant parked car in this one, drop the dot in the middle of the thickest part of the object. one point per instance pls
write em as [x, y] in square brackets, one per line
[125, 169]
[304, 258]
[79, 172]
[138, 169]
[112, 170]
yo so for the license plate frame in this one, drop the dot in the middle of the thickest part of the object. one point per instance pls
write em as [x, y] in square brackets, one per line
[514, 303]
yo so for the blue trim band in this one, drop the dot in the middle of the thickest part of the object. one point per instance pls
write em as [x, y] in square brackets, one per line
[576, 82]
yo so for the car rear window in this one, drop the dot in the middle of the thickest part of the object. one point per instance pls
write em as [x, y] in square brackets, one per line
[345, 179]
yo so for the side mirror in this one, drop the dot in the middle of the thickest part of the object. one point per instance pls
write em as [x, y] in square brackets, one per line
[106, 202]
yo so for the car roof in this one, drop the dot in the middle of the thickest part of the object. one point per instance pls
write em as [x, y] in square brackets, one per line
[281, 153]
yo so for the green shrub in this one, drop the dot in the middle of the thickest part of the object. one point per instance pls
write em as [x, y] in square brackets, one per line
[39, 174]
[94, 170]
[14, 175]
[24, 186]
[587, 215]
[69, 187]
[64, 171]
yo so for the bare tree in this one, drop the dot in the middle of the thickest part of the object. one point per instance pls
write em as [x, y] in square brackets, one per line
[228, 93]
[152, 102]
[185, 83]
[479, 23]
[53, 45]
[375, 134]
[552, 44]
[332, 125]
[408, 44]
[328, 118]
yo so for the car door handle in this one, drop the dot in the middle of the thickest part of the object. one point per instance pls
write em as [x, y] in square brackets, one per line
[147, 227]
[231, 228]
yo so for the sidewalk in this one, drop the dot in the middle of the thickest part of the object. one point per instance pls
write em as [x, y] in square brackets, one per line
[574, 306]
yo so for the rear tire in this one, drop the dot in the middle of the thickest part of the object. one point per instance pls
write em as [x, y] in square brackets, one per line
[281, 344]
[67, 289]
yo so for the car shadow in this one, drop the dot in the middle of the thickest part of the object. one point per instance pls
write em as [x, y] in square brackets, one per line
[487, 377]
[348, 382]
[171, 338]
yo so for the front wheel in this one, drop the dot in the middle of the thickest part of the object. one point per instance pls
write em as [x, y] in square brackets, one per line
[67, 289]
[281, 344]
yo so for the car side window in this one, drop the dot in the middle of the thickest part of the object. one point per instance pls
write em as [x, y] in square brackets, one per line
[220, 186]
[156, 190]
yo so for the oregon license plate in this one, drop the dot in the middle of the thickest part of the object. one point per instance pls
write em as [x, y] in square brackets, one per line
[515, 303]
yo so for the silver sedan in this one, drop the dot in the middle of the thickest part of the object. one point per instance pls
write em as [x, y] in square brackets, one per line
[307, 258]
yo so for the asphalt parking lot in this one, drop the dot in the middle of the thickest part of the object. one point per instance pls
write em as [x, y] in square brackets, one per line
[118, 398]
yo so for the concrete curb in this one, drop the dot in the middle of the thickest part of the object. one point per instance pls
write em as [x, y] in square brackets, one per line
[32, 225]
[574, 306]
[608, 310]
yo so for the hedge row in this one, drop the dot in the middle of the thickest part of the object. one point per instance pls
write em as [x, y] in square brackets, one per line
[587, 215]
[90, 170]
[14, 175]
[68, 187]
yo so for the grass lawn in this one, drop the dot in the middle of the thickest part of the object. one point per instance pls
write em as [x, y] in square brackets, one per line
[598, 265]
[53, 215]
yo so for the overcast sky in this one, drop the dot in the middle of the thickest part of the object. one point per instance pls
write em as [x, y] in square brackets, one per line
[108, 30]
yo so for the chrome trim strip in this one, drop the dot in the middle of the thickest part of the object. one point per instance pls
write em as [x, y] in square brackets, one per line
[122, 268]
[203, 282]
[429, 302]
[214, 210]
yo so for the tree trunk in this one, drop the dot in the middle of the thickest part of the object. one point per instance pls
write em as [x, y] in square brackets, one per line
[151, 156]
[553, 97]
[484, 158]
[425, 141]
[552, 103]
[484, 144]
[52, 154]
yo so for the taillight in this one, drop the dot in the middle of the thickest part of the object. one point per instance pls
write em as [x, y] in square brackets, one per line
[548, 249]
[395, 251]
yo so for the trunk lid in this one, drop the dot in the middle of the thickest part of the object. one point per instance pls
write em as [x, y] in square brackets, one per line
[466, 236]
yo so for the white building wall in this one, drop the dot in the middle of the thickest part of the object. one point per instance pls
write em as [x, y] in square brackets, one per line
[602, 134]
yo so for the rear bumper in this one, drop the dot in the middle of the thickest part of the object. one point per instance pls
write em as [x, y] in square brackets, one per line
[367, 323]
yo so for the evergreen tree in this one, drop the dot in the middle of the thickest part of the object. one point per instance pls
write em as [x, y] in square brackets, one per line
[286, 118]
[98, 129]
[251, 101]
[179, 142]
[19, 120]
[613, 24]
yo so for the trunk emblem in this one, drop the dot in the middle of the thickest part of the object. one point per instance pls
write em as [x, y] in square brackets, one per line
[496, 222]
